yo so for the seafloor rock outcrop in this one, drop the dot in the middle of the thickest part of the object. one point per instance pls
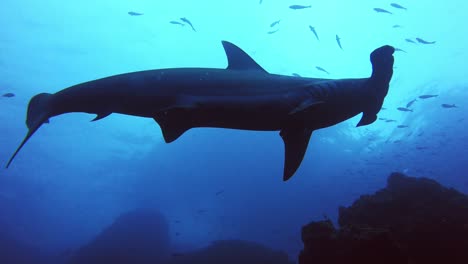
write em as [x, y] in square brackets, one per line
[14, 251]
[140, 236]
[232, 252]
[412, 220]
[325, 245]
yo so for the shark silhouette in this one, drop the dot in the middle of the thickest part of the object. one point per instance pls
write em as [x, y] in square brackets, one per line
[242, 96]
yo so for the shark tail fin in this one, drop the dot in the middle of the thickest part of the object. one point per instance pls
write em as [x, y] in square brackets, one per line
[38, 114]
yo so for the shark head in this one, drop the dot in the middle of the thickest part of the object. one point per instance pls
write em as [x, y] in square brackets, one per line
[382, 63]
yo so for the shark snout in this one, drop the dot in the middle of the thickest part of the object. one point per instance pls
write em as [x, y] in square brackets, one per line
[382, 63]
[382, 55]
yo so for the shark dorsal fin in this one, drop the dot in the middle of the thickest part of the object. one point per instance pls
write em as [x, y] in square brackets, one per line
[238, 59]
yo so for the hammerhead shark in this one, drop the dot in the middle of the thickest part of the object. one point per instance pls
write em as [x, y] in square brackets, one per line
[241, 96]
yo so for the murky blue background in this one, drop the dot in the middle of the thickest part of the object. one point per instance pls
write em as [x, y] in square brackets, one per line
[74, 177]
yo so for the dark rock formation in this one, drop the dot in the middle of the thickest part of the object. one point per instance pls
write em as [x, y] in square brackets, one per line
[232, 252]
[140, 236]
[324, 244]
[412, 220]
[14, 251]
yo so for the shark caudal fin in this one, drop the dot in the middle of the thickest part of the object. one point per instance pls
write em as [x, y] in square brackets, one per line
[38, 114]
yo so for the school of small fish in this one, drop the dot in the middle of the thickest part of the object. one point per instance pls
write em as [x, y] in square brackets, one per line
[274, 25]
[407, 107]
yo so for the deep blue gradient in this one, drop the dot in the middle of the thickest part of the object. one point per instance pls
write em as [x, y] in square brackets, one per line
[74, 176]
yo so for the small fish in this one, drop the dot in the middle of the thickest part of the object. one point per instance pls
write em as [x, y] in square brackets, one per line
[9, 95]
[260, 2]
[381, 10]
[420, 40]
[177, 233]
[398, 49]
[410, 103]
[322, 69]
[421, 148]
[403, 109]
[177, 23]
[395, 5]
[177, 254]
[383, 108]
[188, 22]
[296, 75]
[397, 26]
[382, 118]
[338, 40]
[390, 120]
[315, 32]
[448, 106]
[219, 192]
[296, 7]
[201, 211]
[135, 13]
[410, 41]
[275, 23]
[426, 96]
[272, 31]
[402, 126]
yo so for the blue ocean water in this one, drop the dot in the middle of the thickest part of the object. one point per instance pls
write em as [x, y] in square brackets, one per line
[74, 177]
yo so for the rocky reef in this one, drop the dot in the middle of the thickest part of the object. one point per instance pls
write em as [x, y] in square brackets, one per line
[412, 220]
[232, 252]
[14, 251]
[140, 236]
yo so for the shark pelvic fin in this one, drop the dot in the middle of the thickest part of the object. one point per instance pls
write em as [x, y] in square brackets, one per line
[367, 119]
[239, 59]
[296, 140]
[173, 123]
[101, 116]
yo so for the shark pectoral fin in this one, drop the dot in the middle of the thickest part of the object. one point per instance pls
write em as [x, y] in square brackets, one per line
[101, 116]
[305, 105]
[367, 119]
[173, 123]
[296, 141]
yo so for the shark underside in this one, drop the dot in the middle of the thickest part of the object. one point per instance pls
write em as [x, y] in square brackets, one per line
[242, 96]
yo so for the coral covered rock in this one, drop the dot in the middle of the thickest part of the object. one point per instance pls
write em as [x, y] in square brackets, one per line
[417, 219]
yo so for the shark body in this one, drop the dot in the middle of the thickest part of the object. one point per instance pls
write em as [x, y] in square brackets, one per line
[242, 96]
